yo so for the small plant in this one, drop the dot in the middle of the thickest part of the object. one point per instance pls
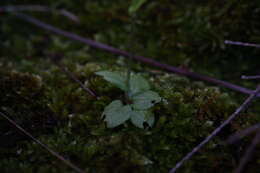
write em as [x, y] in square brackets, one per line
[139, 99]
[138, 96]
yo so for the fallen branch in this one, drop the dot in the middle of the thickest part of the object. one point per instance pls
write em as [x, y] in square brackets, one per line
[142, 59]
[55, 154]
[238, 43]
[217, 130]
[39, 8]
[72, 77]
[250, 77]
[238, 135]
[248, 153]
[250, 149]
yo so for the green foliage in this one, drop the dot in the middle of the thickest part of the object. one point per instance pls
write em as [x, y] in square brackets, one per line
[116, 113]
[191, 112]
[140, 96]
[135, 5]
[117, 79]
[137, 84]
[138, 117]
[145, 100]
[189, 34]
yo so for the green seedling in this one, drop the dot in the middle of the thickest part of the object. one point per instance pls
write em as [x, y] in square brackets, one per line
[140, 98]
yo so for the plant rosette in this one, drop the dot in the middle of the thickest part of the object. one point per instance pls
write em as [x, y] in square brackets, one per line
[139, 93]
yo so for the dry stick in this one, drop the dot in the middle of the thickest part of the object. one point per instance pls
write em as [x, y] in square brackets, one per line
[250, 77]
[248, 153]
[126, 54]
[217, 130]
[241, 43]
[238, 135]
[72, 77]
[58, 156]
[39, 8]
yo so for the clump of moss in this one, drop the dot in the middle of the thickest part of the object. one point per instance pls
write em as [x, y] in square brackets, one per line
[23, 99]
[180, 33]
[188, 113]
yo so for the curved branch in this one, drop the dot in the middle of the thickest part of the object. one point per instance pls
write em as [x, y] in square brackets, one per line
[238, 43]
[52, 152]
[39, 8]
[240, 134]
[242, 107]
[142, 59]
[249, 152]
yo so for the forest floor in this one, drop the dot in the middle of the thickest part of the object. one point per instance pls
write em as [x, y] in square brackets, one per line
[38, 95]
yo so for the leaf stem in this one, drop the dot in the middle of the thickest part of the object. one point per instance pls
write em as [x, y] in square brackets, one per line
[129, 61]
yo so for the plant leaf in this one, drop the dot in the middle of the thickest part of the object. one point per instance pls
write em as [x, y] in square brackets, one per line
[145, 100]
[139, 117]
[135, 5]
[138, 84]
[150, 119]
[116, 113]
[116, 78]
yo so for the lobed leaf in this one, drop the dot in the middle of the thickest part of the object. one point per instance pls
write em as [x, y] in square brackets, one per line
[116, 113]
[138, 84]
[116, 78]
[145, 100]
[138, 118]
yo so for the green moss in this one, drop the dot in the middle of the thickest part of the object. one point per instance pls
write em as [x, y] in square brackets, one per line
[23, 99]
[189, 112]
[35, 92]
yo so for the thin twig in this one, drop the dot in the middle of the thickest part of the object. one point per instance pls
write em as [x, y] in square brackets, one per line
[238, 135]
[238, 43]
[248, 153]
[250, 77]
[52, 152]
[217, 130]
[75, 79]
[142, 59]
[39, 8]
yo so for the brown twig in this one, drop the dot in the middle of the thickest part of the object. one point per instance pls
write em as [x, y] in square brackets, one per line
[75, 79]
[142, 59]
[217, 130]
[232, 139]
[250, 77]
[250, 149]
[55, 59]
[39, 8]
[52, 152]
[248, 153]
[238, 43]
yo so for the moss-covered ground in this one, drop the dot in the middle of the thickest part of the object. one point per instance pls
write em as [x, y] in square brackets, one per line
[41, 98]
